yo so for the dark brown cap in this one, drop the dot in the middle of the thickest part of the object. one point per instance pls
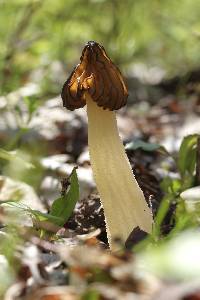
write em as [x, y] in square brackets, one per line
[97, 75]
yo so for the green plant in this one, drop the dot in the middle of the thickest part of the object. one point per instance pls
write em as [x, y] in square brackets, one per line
[60, 211]
[173, 187]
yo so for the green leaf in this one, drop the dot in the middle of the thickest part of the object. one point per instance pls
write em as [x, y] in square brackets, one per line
[32, 104]
[149, 147]
[161, 214]
[170, 185]
[32, 212]
[63, 206]
[44, 217]
[14, 156]
[187, 155]
[91, 295]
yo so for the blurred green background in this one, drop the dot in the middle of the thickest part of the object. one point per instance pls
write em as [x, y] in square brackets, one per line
[40, 40]
[40, 43]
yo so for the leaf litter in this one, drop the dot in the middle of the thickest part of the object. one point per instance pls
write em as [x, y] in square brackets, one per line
[75, 263]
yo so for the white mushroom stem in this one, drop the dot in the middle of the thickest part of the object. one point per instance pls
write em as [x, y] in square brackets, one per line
[123, 201]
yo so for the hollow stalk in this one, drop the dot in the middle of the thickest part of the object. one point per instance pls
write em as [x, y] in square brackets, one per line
[123, 201]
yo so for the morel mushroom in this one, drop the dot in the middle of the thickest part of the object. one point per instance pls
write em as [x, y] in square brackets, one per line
[97, 82]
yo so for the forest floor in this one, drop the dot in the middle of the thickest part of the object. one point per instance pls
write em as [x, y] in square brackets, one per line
[75, 261]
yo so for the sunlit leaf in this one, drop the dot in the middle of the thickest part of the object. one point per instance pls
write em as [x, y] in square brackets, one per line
[63, 206]
[91, 295]
[14, 156]
[32, 212]
[187, 155]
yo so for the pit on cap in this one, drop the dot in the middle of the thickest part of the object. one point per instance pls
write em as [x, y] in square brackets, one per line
[97, 75]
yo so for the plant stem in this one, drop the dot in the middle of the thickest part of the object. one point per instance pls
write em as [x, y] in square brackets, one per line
[198, 162]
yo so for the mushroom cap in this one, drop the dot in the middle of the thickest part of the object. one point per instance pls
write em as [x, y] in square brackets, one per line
[97, 75]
